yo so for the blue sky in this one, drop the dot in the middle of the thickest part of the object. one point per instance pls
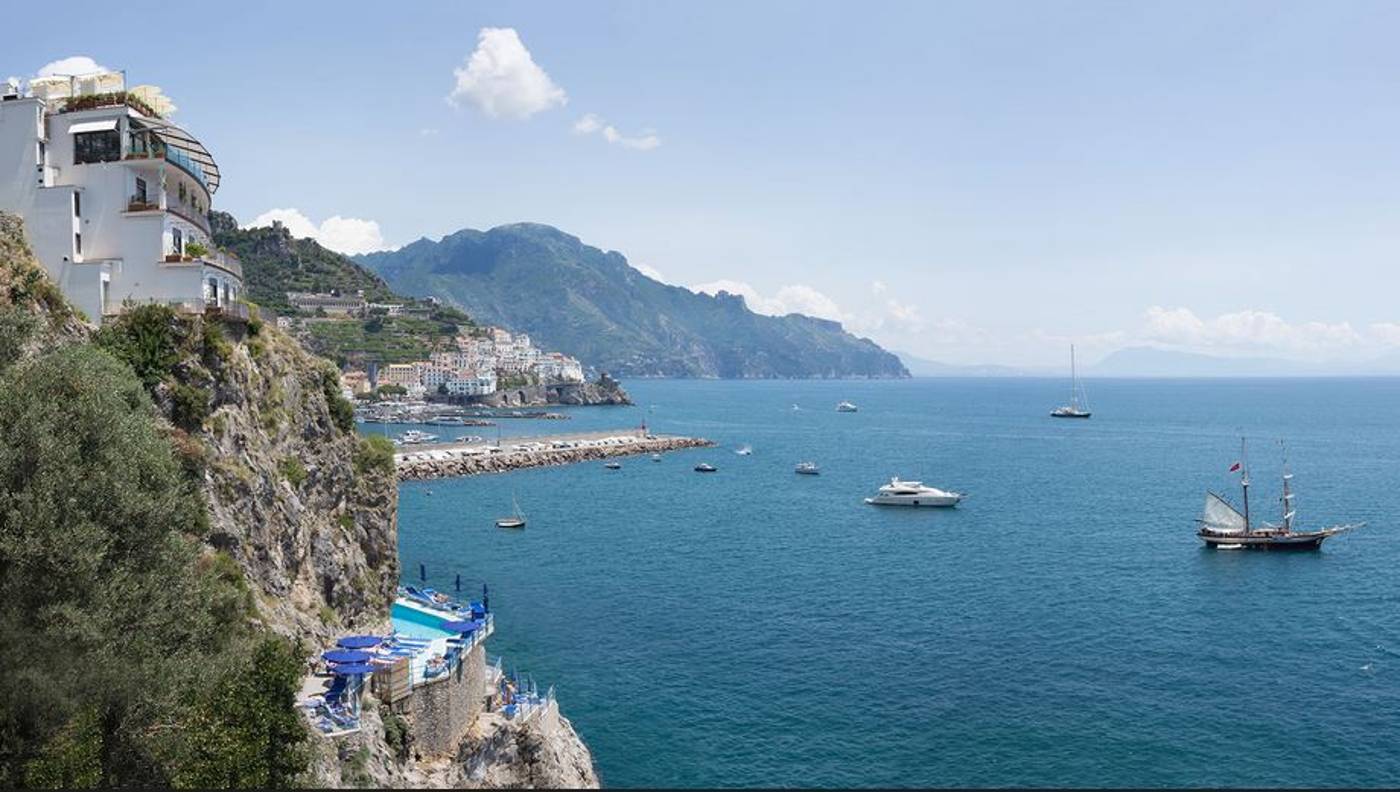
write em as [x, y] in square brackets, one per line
[971, 182]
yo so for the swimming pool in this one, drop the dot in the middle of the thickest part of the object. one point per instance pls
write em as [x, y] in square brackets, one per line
[417, 623]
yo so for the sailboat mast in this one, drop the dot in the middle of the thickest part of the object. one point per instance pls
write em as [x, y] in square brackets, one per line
[1244, 481]
[1073, 380]
[1287, 496]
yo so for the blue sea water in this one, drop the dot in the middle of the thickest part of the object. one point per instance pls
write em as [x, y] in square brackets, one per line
[1062, 627]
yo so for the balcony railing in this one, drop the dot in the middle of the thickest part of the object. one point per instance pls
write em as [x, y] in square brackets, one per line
[236, 311]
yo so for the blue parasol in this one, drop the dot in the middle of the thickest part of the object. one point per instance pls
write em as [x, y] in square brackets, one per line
[352, 669]
[359, 641]
[346, 656]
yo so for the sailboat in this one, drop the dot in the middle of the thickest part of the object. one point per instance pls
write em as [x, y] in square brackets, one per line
[1073, 410]
[516, 518]
[1223, 527]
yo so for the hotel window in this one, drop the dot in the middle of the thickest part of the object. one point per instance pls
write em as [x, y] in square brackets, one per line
[78, 244]
[104, 146]
[77, 204]
[140, 190]
[177, 241]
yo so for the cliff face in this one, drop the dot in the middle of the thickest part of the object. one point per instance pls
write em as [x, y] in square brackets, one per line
[291, 495]
[542, 753]
[305, 507]
[604, 390]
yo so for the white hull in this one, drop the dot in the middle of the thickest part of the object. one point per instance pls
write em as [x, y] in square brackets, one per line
[946, 499]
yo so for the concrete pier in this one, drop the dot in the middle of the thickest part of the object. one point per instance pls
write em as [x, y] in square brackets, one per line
[449, 459]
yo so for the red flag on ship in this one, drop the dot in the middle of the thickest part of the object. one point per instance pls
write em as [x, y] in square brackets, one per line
[1234, 467]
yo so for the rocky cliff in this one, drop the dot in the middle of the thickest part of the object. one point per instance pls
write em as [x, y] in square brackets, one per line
[304, 506]
[603, 391]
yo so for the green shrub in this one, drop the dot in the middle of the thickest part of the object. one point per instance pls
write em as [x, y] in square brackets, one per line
[217, 349]
[146, 337]
[342, 412]
[375, 454]
[396, 733]
[16, 328]
[189, 405]
[293, 471]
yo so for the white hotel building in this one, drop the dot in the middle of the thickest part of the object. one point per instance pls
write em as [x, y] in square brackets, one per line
[115, 198]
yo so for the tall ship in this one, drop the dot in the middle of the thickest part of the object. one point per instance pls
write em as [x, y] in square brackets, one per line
[1078, 406]
[1223, 527]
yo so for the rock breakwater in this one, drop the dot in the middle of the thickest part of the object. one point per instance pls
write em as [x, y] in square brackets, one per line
[442, 462]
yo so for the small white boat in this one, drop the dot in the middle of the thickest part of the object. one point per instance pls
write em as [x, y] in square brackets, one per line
[414, 437]
[744, 451]
[656, 457]
[613, 465]
[913, 493]
[516, 518]
[807, 469]
[705, 467]
[846, 406]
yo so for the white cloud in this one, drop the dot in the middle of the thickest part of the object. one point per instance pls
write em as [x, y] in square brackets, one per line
[877, 287]
[154, 96]
[427, 132]
[348, 235]
[72, 65]
[588, 124]
[503, 80]
[1251, 331]
[650, 272]
[792, 298]
[591, 123]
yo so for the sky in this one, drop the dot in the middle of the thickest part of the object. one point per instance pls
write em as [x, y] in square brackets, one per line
[979, 182]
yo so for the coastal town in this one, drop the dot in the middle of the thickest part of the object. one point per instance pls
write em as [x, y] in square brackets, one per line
[478, 363]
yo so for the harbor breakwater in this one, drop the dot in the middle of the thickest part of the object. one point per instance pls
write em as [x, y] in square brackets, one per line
[442, 461]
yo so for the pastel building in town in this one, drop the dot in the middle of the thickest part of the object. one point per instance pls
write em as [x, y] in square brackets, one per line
[114, 196]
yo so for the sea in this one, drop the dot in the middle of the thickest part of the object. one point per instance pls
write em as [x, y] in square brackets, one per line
[1062, 627]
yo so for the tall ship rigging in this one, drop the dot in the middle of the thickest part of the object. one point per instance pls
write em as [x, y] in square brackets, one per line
[1223, 527]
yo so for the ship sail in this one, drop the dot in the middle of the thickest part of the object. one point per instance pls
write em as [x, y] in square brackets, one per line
[1221, 517]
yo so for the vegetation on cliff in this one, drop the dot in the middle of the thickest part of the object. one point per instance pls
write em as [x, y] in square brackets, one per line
[131, 655]
[590, 304]
[158, 564]
[274, 263]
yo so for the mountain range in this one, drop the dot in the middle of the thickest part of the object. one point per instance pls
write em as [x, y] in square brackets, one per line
[592, 305]
[1142, 361]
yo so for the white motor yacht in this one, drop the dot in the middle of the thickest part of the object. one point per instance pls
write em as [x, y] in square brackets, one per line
[913, 493]
[414, 437]
[846, 406]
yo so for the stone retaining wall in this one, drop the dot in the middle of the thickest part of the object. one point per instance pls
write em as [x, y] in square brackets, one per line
[440, 713]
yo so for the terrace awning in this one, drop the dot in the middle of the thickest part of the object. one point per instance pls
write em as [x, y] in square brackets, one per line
[346, 656]
[105, 125]
[176, 137]
[461, 626]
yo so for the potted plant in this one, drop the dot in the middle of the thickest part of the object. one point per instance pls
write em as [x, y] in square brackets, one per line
[172, 258]
[195, 250]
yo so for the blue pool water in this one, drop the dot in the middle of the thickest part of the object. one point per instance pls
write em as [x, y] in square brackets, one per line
[417, 624]
[1062, 627]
